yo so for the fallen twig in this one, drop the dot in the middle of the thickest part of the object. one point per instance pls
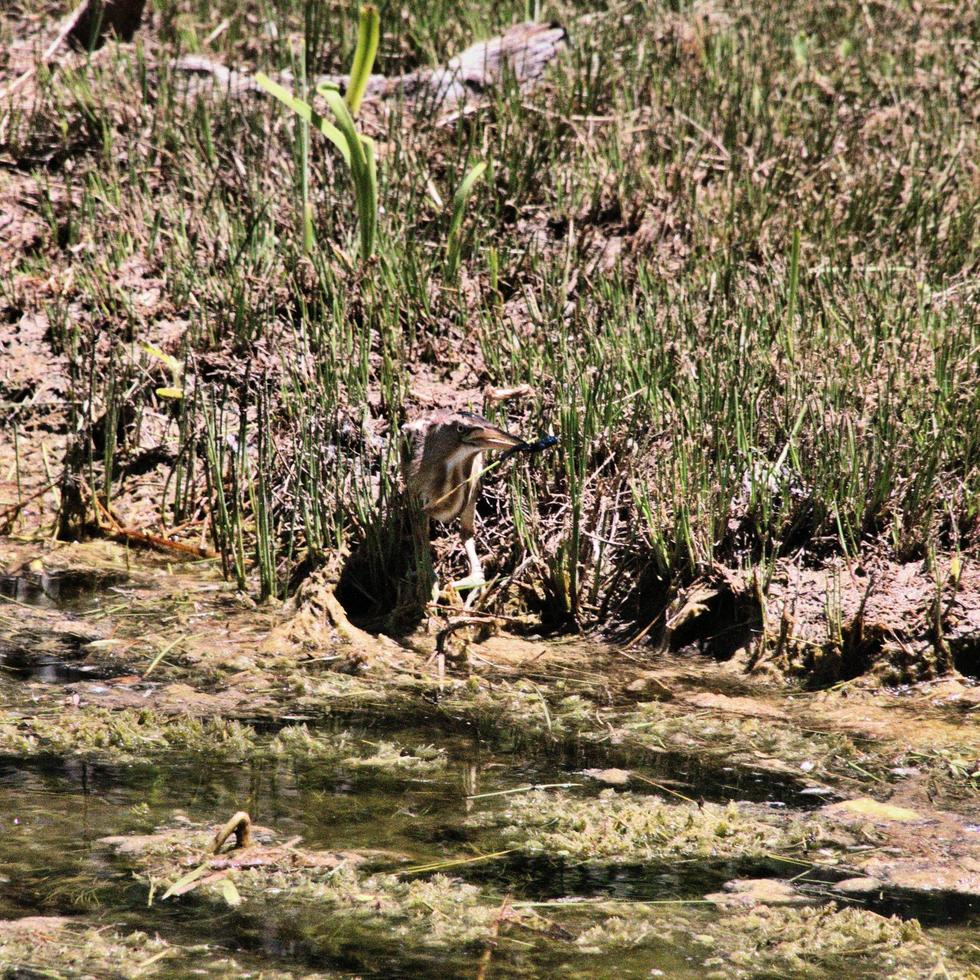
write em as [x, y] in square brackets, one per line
[481, 972]
[111, 527]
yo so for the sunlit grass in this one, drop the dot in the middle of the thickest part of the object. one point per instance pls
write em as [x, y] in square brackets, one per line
[733, 250]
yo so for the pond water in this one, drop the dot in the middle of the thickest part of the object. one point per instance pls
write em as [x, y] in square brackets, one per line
[56, 810]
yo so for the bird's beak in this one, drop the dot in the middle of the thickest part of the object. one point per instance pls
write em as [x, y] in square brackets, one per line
[490, 437]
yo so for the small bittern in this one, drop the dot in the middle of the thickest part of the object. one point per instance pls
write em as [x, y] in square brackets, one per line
[442, 455]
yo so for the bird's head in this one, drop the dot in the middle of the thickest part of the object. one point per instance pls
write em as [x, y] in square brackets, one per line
[441, 441]
[470, 431]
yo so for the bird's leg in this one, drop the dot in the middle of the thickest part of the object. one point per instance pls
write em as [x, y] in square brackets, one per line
[475, 579]
[467, 530]
[476, 569]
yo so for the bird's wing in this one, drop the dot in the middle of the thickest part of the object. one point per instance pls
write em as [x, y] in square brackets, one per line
[413, 441]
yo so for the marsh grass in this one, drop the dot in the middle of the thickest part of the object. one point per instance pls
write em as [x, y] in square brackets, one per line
[733, 250]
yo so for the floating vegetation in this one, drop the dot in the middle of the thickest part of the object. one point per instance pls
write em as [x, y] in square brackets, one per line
[135, 735]
[765, 743]
[439, 910]
[54, 946]
[390, 755]
[627, 827]
[821, 941]
[780, 941]
[122, 735]
[443, 912]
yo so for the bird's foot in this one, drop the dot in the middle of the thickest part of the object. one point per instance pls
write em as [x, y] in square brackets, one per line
[473, 581]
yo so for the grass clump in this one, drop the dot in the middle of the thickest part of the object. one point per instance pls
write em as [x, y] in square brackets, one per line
[356, 149]
[123, 735]
[462, 195]
[624, 827]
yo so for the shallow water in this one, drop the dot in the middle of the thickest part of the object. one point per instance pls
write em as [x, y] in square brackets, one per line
[55, 810]
[73, 590]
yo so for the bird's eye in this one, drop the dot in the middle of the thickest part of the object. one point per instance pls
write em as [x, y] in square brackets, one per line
[462, 429]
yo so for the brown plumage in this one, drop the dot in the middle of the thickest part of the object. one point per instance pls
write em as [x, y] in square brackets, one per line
[442, 456]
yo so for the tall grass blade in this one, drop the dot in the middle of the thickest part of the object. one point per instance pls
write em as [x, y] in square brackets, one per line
[303, 138]
[368, 38]
[455, 239]
[794, 289]
[305, 111]
[363, 169]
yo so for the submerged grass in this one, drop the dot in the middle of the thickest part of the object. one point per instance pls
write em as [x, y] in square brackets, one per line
[633, 828]
[130, 735]
[733, 250]
[335, 905]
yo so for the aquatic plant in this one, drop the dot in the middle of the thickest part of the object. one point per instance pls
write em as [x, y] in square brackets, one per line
[629, 827]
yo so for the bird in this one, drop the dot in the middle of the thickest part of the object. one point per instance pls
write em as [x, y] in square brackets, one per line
[442, 459]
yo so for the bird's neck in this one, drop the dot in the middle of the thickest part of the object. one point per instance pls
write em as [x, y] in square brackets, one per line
[448, 495]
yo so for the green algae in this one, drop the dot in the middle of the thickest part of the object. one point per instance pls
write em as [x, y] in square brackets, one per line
[630, 928]
[627, 827]
[559, 710]
[53, 946]
[392, 756]
[302, 742]
[127, 735]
